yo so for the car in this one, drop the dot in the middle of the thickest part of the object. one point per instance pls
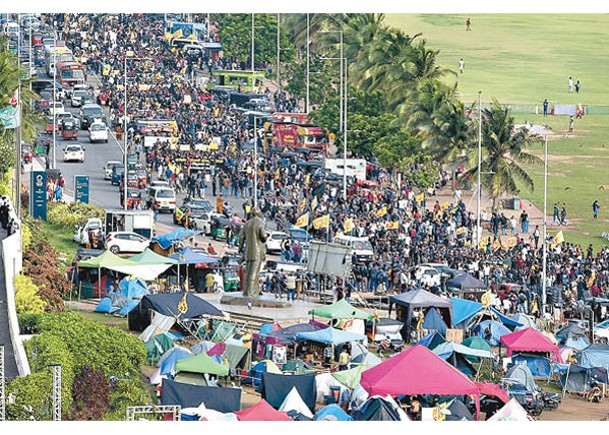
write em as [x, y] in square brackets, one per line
[56, 107]
[107, 169]
[183, 215]
[89, 113]
[77, 97]
[361, 246]
[164, 197]
[126, 241]
[159, 183]
[66, 117]
[275, 240]
[98, 132]
[74, 153]
[427, 276]
[27, 154]
[205, 222]
[205, 204]
[445, 271]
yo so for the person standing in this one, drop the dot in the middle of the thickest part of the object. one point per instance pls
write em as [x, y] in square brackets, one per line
[595, 207]
[563, 214]
[571, 124]
[524, 222]
[578, 86]
[536, 234]
[570, 82]
[545, 107]
[555, 214]
[343, 359]
[468, 24]
[290, 284]
[461, 65]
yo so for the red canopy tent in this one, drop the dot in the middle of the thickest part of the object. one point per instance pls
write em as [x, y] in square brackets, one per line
[262, 411]
[493, 390]
[529, 340]
[418, 371]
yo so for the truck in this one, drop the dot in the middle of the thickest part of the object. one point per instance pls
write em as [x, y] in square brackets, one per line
[137, 221]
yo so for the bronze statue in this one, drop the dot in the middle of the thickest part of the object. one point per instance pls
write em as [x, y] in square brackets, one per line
[254, 236]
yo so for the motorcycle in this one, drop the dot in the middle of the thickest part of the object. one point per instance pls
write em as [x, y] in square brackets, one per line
[595, 394]
[550, 400]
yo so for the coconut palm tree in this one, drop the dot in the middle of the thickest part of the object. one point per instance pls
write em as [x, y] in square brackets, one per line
[503, 153]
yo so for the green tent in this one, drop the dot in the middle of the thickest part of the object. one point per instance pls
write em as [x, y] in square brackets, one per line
[107, 260]
[110, 261]
[476, 342]
[237, 356]
[201, 363]
[150, 257]
[340, 310]
[157, 346]
[296, 367]
[220, 331]
[350, 378]
[190, 378]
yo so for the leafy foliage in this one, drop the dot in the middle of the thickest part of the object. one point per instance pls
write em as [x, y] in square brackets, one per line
[421, 171]
[91, 394]
[27, 299]
[29, 392]
[69, 215]
[28, 323]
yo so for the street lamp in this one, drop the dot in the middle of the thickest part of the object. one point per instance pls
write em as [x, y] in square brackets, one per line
[340, 58]
[545, 234]
[478, 194]
[308, 67]
[256, 118]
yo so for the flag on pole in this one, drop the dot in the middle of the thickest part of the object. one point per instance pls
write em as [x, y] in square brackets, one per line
[486, 298]
[348, 225]
[314, 204]
[178, 33]
[591, 279]
[392, 225]
[420, 197]
[483, 243]
[381, 212]
[302, 204]
[321, 222]
[558, 239]
[302, 221]
[496, 245]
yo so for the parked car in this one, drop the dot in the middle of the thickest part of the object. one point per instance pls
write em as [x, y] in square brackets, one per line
[205, 221]
[107, 169]
[89, 113]
[98, 132]
[74, 153]
[126, 241]
[428, 276]
[275, 241]
[186, 213]
[200, 203]
[26, 154]
[56, 107]
[445, 271]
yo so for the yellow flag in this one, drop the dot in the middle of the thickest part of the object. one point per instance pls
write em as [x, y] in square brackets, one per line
[321, 222]
[511, 242]
[178, 33]
[302, 204]
[486, 299]
[420, 197]
[381, 212]
[192, 37]
[314, 204]
[496, 245]
[302, 221]
[445, 206]
[558, 239]
[460, 230]
[392, 225]
[348, 225]
[483, 243]
[183, 305]
[591, 279]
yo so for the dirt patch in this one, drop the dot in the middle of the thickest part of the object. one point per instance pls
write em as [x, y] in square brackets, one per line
[560, 158]
[575, 408]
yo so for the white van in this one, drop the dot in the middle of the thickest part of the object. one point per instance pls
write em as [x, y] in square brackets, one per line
[361, 246]
[165, 198]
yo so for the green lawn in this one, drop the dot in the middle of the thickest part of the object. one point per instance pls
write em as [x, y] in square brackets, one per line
[61, 239]
[521, 59]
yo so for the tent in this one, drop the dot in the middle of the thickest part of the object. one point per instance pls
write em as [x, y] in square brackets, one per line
[157, 346]
[293, 402]
[150, 257]
[434, 321]
[419, 299]
[325, 383]
[496, 329]
[255, 373]
[458, 411]
[331, 336]
[577, 378]
[380, 408]
[288, 334]
[190, 378]
[296, 367]
[350, 378]
[262, 411]
[432, 340]
[417, 371]
[465, 283]
[385, 329]
[573, 336]
[191, 396]
[110, 261]
[237, 356]
[511, 411]
[201, 363]
[203, 414]
[269, 327]
[596, 355]
[332, 412]
[476, 342]
[201, 346]
[526, 320]
[168, 361]
[124, 299]
[275, 388]
[340, 310]
[538, 364]
[529, 340]
[465, 311]
[522, 374]
[367, 359]
[165, 241]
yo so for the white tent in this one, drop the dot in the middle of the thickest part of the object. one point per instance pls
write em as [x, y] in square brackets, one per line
[157, 378]
[511, 411]
[209, 414]
[358, 398]
[293, 402]
[159, 325]
[323, 382]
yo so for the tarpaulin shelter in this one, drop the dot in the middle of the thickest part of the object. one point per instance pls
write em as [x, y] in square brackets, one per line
[332, 412]
[124, 299]
[201, 363]
[464, 283]
[163, 243]
[350, 378]
[288, 334]
[296, 367]
[275, 388]
[331, 336]
[491, 331]
[167, 363]
[419, 299]
[434, 322]
[340, 310]
[577, 379]
[417, 371]
[149, 257]
[596, 355]
[468, 313]
[254, 375]
[110, 261]
[262, 411]
[191, 396]
[573, 336]
[430, 341]
[380, 408]
[157, 346]
[529, 340]
[294, 402]
[269, 327]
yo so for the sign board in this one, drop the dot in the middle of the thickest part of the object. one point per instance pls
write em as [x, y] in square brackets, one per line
[329, 259]
[38, 195]
[454, 335]
[81, 188]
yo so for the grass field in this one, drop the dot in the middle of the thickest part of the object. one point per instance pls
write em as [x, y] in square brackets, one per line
[522, 59]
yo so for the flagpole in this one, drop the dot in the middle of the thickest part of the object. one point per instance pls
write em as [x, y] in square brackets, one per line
[17, 202]
[54, 100]
[545, 205]
[479, 192]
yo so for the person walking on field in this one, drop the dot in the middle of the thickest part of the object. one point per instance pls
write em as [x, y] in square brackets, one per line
[461, 65]
[468, 24]
[545, 107]
[595, 207]
[570, 84]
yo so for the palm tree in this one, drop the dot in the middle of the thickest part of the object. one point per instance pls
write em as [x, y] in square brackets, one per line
[503, 152]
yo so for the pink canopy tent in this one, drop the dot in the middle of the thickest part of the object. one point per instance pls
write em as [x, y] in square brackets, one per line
[529, 340]
[262, 411]
[494, 390]
[418, 371]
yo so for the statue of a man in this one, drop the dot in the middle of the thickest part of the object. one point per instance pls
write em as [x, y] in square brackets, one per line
[254, 236]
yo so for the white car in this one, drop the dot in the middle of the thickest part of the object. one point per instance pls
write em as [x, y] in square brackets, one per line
[98, 132]
[77, 97]
[275, 241]
[203, 222]
[428, 276]
[74, 153]
[108, 168]
[126, 241]
[56, 107]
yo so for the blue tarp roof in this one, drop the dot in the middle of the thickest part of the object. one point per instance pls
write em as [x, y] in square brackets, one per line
[596, 355]
[434, 321]
[497, 331]
[167, 239]
[188, 256]
[332, 412]
[464, 309]
[432, 340]
[330, 336]
[133, 288]
[288, 334]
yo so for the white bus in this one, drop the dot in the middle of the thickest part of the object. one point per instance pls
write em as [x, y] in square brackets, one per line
[55, 53]
[355, 167]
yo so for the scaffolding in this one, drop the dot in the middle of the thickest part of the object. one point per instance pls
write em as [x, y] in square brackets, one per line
[56, 391]
[133, 411]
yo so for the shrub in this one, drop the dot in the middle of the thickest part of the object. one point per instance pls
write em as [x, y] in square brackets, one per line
[29, 391]
[91, 394]
[69, 215]
[26, 235]
[28, 323]
[27, 299]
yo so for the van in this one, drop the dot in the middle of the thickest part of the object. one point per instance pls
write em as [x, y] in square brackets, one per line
[164, 197]
[361, 246]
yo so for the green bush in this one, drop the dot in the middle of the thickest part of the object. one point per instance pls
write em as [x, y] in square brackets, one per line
[27, 299]
[29, 391]
[28, 323]
[69, 215]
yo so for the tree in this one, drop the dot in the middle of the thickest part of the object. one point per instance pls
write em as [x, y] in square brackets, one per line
[503, 152]
[420, 171]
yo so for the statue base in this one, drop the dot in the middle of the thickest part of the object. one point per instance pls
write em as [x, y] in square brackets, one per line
[262, 301]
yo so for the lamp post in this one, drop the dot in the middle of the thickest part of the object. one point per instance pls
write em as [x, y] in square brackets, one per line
[479, 193]
[255, 161]
[346, 130]
[252, 48]
[307, 100]
[545, 234]
[278, 54]
[54, 100]
[340, 58]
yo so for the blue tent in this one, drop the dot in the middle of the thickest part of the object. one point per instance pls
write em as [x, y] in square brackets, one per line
[538, 365]
[330, 336]
[288, 334]
[189, 256]
[497, 330]
[254, 375]
[128, 295]
[105, 306]
[432, 340]
[464, 310]
[332, 412]
[596, 355]
[168, 365]
[168, 239]
[434, 321]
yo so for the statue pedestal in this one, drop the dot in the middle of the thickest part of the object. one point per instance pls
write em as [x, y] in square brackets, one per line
[262, 301]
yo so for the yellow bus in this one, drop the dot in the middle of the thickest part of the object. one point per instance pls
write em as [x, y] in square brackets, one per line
[249, 81]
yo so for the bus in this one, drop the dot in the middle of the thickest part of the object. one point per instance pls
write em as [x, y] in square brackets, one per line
[355, 167]
[291, 135]
[244, 81]
[55, 53]
[70, 73]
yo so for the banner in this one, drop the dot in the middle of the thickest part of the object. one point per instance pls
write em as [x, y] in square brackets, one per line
[348, 225]
[10, 116]
[321, 222]
[483, 243]
[314, 204]
[381, 212]
[38, 196]
[81, 189]
[557, 240]
[591, 279]
[392, 225]
[496, 245]
[302, 221]
[420, 197]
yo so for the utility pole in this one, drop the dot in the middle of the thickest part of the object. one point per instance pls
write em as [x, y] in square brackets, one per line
[345, 111]
[278, 55]
[17, 202]
[54, 100]
[252, 59]
[255, 162]
[545, 234]
[308, 69]
[125, 135]
[479, 192]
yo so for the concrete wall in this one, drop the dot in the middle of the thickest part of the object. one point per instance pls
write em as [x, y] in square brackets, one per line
[12, 257]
